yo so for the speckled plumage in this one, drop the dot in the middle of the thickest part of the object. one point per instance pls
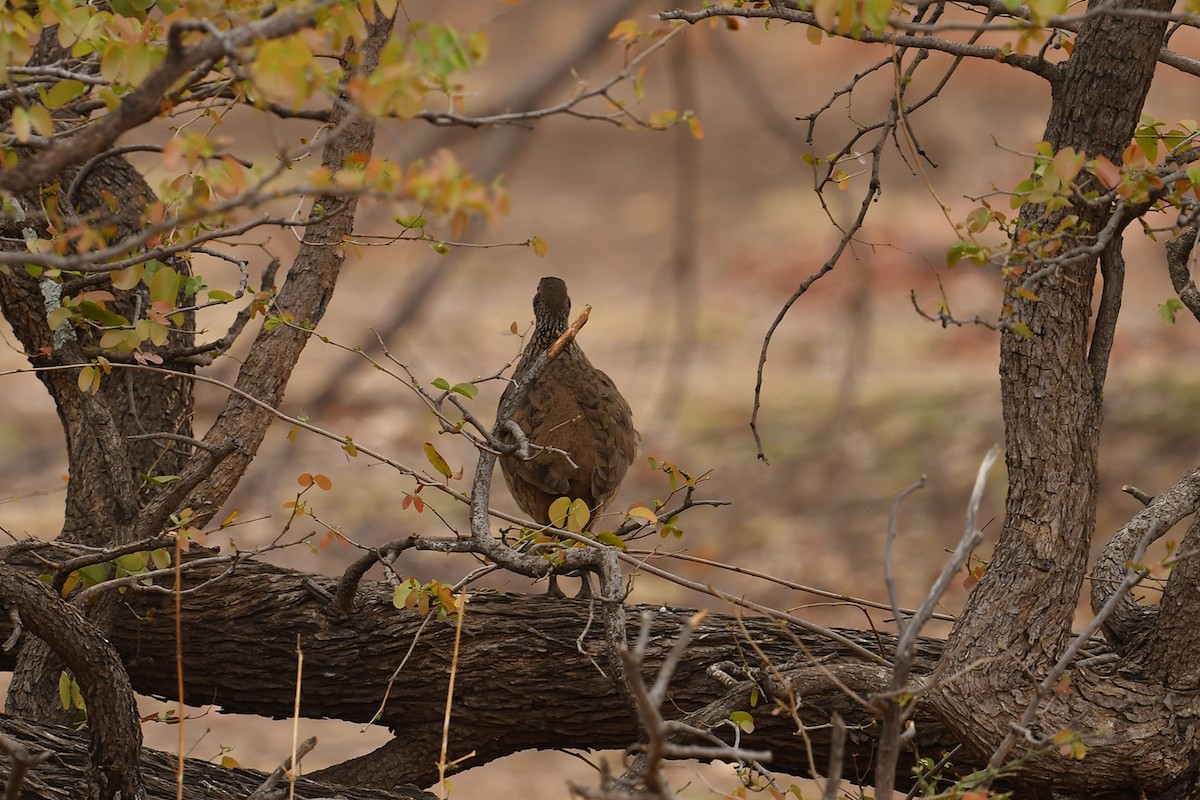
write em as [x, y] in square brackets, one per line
[571, 406]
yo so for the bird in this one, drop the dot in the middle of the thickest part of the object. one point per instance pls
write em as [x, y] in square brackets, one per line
[571, 407]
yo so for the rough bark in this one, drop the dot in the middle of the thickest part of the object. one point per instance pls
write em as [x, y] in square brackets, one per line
[1052, 410]
[1131, 625]
[523, 681]
[100, 429]
[1175, 640]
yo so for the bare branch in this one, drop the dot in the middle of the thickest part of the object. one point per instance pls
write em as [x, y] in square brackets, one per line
[1037, 66]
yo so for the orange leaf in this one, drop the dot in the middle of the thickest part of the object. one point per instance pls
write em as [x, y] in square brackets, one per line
[1108, 172]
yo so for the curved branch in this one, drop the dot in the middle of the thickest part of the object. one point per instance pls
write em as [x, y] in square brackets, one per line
[1179, 267]
[116, 733]
[1130, 622]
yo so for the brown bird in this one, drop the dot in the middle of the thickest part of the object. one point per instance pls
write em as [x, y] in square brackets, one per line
[572, 407]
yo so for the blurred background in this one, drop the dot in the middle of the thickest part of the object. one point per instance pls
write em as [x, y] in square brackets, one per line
[686, 249]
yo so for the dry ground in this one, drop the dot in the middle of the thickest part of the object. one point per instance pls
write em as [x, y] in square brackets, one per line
[861, 395]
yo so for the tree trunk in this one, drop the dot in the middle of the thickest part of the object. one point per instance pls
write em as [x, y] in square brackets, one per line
[1018, 619]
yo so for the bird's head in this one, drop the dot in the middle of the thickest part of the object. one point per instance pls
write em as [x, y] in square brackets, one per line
[552, 306]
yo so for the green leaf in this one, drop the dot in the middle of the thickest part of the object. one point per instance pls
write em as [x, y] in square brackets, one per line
[218, 296]
[441, 383]
[1020, 193]
[610, 538]
[64, 690]
[64, 92]
[978, 220]
[131, 563]
[1022, 330]
[743, 720]
[161, 558]
[400, 596]
[93, 574]
[100, 314]
[164, 286]
[467, 390]
[158, 333]
[1169, 309]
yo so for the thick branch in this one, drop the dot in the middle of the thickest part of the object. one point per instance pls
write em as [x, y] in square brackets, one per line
[116, 733]
[1130, 622]
[561, 699]
[61, 776]
[1176, 639]
[1179, 267]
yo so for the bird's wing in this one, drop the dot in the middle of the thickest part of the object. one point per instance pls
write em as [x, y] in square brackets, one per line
[544, 425]
[611, 421]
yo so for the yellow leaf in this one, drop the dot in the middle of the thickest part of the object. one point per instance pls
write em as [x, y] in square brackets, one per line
[641, 512]
[626, 30]
[435, 458]
[323, 483]
[41, 119]
[158, 333]
[22, 126]
[58, 316]
[304, 479]
[578, 516]
[64, 690]
[88, 377]
[539, 249]
[558, 512]
[826, 12]
[126, 278]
